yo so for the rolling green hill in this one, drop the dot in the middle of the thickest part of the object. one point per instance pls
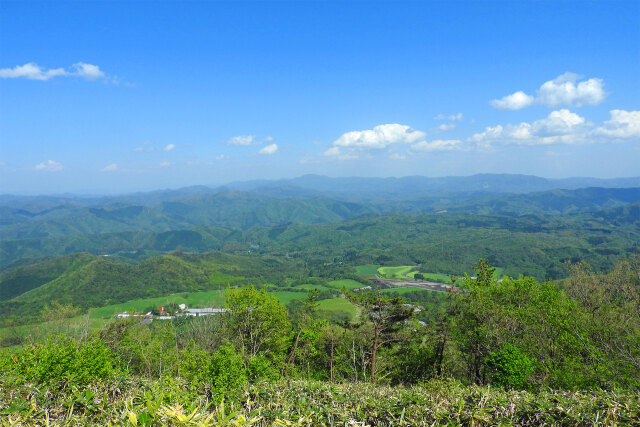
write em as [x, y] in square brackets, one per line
[95, 281]
[25, 278]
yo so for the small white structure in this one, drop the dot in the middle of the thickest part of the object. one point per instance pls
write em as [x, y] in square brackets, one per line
[208, 311]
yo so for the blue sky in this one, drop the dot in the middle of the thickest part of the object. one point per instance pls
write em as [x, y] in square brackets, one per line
[127, 96]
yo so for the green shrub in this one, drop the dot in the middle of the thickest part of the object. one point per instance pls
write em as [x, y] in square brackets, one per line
[510, 367]
[227, 374]
[63, 360]
[259, 368]
[193, 364]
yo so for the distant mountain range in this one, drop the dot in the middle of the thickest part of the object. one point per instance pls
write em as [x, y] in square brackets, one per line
[412, 187]
[92, 251]
[307, 200]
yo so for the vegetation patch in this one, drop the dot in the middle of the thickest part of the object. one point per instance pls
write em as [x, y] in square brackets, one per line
[337, 309]
[399, 272]
[432, 277]
[367, 270]
[175, 402]
[344, 283]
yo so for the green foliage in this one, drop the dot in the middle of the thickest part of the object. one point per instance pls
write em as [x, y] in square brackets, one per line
[64, 361]
[258, 322]
[164, 402]
[259, 368]
[193, 363]
[510, 367]
[226, 373]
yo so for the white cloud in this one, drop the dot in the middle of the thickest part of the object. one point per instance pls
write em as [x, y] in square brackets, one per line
[336, 153]
[333, 151]
[437, 145]
[566, 89]
[354, 145]
[110, 168]
[165, 164]
[452, 117]
[243, 140]
[380, 136]
[558, 122]
[49, 166]
[623, 124]
[515, 101]
[559, 127]
[445, 127]
[397, 156]
[221, 157]
[247, 140]
[87, 71]
[563, 90]
[269, 149]
[33, 71]
[169, 147]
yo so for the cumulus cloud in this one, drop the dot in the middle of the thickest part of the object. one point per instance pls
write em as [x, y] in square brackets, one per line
[169, 147]
[559, 127]
[380, 136]
[110, 168]
[87, 71]
[243, 140]
[49, 166]
[269, 149]
[564, 90]
[33, 71]
[246, 140]
[351, 145]
[452, 117]
[445, 127]
[337, 153]
[438, 145]
[515, 101]
[622, 124]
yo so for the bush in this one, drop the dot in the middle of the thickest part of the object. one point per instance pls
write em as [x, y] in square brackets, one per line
[227, 373]
[259, 368]
[63, 360]
[510, 367]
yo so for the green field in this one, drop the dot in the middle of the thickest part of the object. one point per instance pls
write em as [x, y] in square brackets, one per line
[330, 308]
[309, 287]
[399, 272]
[367, 270]
[346, 283]
[286, 297]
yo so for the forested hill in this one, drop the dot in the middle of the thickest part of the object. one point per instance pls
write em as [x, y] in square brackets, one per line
[33, 217]
[85, 280]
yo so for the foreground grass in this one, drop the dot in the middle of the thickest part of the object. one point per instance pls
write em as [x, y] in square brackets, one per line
[171, 402]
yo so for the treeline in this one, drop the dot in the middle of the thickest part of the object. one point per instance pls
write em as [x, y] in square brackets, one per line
[514, 333]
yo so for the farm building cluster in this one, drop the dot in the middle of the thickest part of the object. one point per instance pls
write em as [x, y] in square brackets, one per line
[164, 313]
